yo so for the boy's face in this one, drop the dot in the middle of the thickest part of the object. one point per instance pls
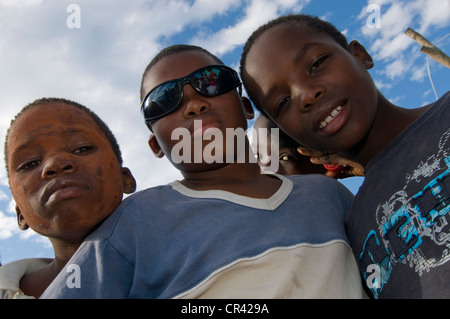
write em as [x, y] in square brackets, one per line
[290, 161]
[314, 89]
[63, 173]
[217, 113]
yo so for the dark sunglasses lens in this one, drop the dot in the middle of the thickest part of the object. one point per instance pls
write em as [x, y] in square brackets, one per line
[215, 81]
[209, 81]
[162, 100]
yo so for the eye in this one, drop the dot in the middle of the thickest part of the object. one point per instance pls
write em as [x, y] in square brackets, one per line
[286, 157]
[29, 165]
[318, 63]
[282, 104]
[83, 149]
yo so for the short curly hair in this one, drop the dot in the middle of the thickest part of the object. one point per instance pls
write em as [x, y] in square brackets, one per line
[42, 101]
[311, 21]
[170, 50]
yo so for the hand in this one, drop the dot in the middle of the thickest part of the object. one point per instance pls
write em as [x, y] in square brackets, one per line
[349, 167]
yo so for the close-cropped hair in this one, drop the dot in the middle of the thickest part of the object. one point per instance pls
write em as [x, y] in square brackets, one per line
[170, 50]
[311, 21]
[52, 100]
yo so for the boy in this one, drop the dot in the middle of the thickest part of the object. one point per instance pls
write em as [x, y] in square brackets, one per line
[65, 173]
[322, 95]
[225, 230]
[291, 162]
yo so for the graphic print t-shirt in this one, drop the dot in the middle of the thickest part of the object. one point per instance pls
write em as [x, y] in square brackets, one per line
[399, 226]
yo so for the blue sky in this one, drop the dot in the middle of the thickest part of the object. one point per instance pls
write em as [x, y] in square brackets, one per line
[99, 63]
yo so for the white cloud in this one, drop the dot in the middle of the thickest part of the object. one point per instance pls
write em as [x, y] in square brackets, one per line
[257, 13]
[19, 3]
[3, 196]
[433, 12]
[395, 69]
[8, 226]
[418, 73]
[390, 44]
[390, 39]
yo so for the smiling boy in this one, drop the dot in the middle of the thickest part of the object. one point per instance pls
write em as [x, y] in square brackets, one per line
[321, 94]
[66, 176]
[225, 230]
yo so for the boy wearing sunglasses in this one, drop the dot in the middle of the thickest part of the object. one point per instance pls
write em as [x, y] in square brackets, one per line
[225, 230]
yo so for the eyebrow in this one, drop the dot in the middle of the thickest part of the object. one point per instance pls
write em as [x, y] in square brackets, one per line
[297, 58]
[303, 52]
[27, 143]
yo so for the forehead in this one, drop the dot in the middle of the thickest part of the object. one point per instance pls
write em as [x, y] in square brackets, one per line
[53, 119]
[175, 66]
[284, 40]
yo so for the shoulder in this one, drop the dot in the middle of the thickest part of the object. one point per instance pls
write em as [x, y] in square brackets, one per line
[133, 210]
[313, 181]
[152, 195]
[12, 273]
[24, 266]
[317, 187]
[438, 108]
[445, 99]
[120, 234]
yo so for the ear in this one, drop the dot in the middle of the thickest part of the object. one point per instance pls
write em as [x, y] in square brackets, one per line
[248, 108]
[21, 220]
[129, 183]
[360, 53]
[154, 146]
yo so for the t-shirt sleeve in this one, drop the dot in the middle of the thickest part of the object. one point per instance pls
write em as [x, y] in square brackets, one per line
[97, 270]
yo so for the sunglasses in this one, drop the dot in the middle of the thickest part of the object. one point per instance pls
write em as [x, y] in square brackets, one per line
[209, 81]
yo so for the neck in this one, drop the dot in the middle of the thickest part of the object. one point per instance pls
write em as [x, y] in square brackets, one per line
[228, 173]
[35, 283]
[64, 251]
[239, 178]
[390, 121]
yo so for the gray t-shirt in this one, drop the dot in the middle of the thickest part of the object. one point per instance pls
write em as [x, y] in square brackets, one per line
[399, 226]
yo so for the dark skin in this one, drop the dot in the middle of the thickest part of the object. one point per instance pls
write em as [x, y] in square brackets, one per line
[296, 160]
[65, 180]
[228, 110]
[291, 162]
[315, 77]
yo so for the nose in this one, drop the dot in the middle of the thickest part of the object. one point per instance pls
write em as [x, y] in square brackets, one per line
[58, 164]
[195, 104]
[309, 95]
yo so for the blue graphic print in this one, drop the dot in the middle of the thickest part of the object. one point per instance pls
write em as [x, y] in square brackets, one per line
[402, 231]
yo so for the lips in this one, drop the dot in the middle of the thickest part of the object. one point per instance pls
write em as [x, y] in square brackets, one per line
[63, 188]
[199, 126]
[330, 119]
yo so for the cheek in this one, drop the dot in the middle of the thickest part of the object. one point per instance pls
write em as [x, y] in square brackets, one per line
[25, 192]
[166, 142]
[99, 172]
[110, 178]
[295, 129]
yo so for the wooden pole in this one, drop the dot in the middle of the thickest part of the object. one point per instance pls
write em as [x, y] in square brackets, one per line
[429, 48]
